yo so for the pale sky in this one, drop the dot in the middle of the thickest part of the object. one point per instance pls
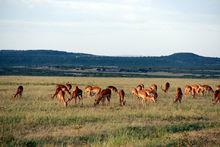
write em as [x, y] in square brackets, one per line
[112, 27]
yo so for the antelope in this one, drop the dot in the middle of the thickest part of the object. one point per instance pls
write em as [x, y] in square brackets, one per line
[88, 90]
[105, 93]
[61, 97]
[208, 88]
[140, 87]
[153, 87]
[121, 95]
[216, 96]
[68, 85]
[113, 88]
[195, 90]
[60, 87]
[154, 95]
[187, 90]
[148, 91]
[167, 86]
[77, 93]
[145, 97]
[92, 90]
[179, 95]
[134, 92]
[19, 91]
[201, 90]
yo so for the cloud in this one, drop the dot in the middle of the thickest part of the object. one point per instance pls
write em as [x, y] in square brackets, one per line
[121, 10]
[109, 24]
[133, 12]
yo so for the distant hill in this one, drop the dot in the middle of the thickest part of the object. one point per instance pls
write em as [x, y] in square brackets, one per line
[60, 58]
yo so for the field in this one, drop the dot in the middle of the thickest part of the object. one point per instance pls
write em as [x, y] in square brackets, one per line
[36, 119]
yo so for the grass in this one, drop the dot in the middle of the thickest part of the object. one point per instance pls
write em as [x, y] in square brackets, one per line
[36, 119]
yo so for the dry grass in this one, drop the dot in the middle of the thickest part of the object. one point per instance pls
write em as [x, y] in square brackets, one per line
[37, 119]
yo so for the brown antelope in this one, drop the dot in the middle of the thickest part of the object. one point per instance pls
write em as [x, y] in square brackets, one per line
[179, 95]
[95, 90]
[166, 88]
[102, 95]
[92, 90]
[149, 91]
[113, 88]
[87, 90]
[201, 90]
[153, 87]
[61, 87]
[216, 96]
[145, 97]
[208, 88]
[68, 85]
[187, 90]
[134, 92]
[77, 93]
[61, 97]
[19, 91]
[140, 87]
[121, 95]
[154, 95]
[195, 90]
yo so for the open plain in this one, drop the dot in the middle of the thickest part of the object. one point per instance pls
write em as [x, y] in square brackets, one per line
[36, 119]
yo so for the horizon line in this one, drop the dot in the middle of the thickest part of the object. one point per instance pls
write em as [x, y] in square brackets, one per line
[68, 51]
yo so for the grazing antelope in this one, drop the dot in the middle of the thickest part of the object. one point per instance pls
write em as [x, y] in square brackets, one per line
[113, 88]
[77, 93]
[87, 90]
[149, 91]
[92, 90]
[153, 87]
[140, 87]
[95, 90]
[102, 95]
[179, 95]
[134, 92]
[208, 88]
[121, 95]
[61, 97]
[195, 90]
[187, 90]
[216, 96]
[68, 85]
[61, 87]
[19, 91]
[167, 86]
[145, 97]
[154, 95]
[201, 90]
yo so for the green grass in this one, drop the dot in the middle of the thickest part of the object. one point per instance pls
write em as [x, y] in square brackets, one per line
[36, 119]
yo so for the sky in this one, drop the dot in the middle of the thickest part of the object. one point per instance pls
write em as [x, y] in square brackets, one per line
[112, 27]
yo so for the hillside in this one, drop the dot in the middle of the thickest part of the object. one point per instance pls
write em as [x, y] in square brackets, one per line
[58, 63]
[60, 58]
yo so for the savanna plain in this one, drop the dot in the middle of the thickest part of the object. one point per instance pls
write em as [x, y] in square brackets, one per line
[36, 119]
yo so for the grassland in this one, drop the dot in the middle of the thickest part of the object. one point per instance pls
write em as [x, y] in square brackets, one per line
[36, 119]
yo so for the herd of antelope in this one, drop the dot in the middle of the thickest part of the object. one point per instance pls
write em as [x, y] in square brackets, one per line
[143, 94]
